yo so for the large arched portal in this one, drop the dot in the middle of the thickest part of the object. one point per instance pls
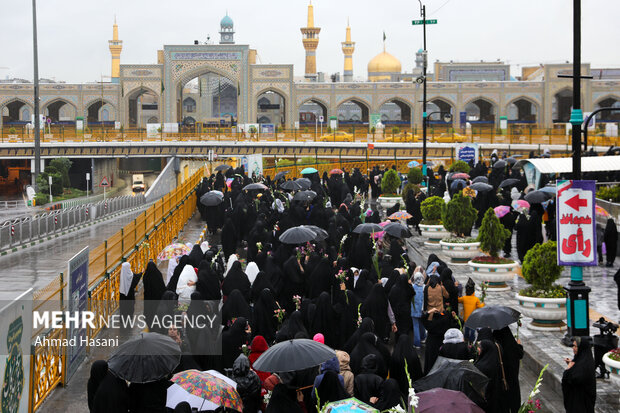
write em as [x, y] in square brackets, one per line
[143, 104]
[480, 111]
[208, 99]
[522, 111]
[60, 111]
[16, 111]
[270, 108]
[310, 111]
[562, 105]
[610, 102]
[436, 109]
[395, 112]
[100, 111]
[352, 111]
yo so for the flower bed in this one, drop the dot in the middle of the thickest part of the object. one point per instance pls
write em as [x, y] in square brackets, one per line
[556, 291]
[485, 259]
[459, 240]
[614, 354]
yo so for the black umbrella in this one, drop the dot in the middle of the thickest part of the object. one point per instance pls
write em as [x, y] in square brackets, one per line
[494, 317]
[223, 167]
[291, 186]
[499, 164]
[304, 196]
[456, 183]
[297, 235]
[304, 182]
[212, 198]
[367, 228]
[294, 355]
[508, 182]
[481, 187]
[279, 175]
[482, 179]
[459, 375]
[255, 186]
[537, 197]
[321, 234]
[146, 358]
[397, 230]
[511, 161]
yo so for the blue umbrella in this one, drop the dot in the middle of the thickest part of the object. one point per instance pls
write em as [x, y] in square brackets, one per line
[413, 164]
[308, 171]
[456, 182]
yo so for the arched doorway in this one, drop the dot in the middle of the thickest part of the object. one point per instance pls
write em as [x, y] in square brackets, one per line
[522, 110]
[208, 99]
[353, 111]
[436, 108]
[562, 105]
[60, 111]
[610, 102]
[143, 104]
[480, 111]
[16, 112]
[270, 108]
[99, 111]
[310, 110]
[395, 112]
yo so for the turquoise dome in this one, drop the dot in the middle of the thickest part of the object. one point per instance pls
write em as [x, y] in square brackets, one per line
[226, 21]
[421, 51]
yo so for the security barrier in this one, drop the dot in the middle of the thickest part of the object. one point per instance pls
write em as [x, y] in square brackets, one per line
[137, 243]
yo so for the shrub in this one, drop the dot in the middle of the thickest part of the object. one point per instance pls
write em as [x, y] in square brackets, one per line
[306, 129]
[390, 182]
[492, 233]
[459, 166]
[609, 193]
[284, 162]
[373, 130]
[458, 215]
[395, 130]
[41, 198]
[540, 266]
[12, 130]
[415, 176]
[252, 129]
[431, 210]
[306, 160]
[415, 188]
[62, 166]
[329, 129]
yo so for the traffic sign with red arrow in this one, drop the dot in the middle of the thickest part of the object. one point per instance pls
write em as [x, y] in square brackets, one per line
[104, 181]
[576, 202]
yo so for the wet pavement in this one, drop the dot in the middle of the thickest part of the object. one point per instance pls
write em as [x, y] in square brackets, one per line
[36, 266]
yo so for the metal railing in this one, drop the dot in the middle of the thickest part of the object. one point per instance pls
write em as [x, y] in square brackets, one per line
[11, 204]
[23, 230]
[137, 243]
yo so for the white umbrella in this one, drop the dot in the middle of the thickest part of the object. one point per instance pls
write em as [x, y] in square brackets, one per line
[177, 394]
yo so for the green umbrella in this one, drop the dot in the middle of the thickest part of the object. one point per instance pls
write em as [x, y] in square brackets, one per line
[308, 171]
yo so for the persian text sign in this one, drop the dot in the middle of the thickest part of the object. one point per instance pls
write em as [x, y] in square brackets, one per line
[576, 223]
[205, 56]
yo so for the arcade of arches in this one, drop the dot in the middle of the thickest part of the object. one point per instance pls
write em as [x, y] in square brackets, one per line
[210, 99]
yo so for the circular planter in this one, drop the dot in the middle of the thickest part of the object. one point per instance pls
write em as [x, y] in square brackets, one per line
[496, 275]
[433, 234]
[389, 201]
[460, 252]
[613, 366]
[547, 313]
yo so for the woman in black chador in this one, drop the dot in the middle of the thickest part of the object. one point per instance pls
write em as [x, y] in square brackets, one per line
[579, 379]
[611, 241]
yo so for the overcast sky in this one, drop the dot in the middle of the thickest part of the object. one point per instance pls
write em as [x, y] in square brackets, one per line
[74, 34]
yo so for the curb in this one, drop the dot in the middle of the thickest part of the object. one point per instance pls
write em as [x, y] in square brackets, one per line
[20, 247]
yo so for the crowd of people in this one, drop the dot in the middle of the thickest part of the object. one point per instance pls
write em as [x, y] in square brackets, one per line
[386, 316]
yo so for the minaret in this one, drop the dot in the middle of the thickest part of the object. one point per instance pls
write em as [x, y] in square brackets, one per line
[348, 47]
[116, 46]
[310, 41]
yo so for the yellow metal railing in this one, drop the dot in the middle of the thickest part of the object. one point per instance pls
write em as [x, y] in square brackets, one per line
[137, 243]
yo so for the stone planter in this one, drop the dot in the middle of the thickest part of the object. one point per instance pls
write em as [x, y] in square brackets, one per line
[13, 137]
[460, 252]
[434, 234]
[389, 201]
[496, 275]
[547, 313]
[613, 366]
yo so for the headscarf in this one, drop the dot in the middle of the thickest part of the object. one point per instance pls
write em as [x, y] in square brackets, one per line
[236, 279]
[195, 255]
[172, 264]
[231, 260]
[390, 395]
[418, 279]
[184, 290]
[404, 351]
[265, 322]
[235, 307]
[204, 246]
[125, 279]
[174, 280]
[319, 338]
[251, 271]
[366, 326]
[453, 335]
[278, 205]
[183, 407]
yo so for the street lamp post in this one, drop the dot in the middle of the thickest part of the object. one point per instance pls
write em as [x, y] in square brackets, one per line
[37, 121]
[424, 64]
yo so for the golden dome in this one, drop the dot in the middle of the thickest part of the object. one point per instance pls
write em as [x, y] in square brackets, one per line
[384, 63]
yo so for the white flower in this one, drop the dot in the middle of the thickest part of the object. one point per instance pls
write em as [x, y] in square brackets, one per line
[397, 409]
[267, 397]
[413, 399]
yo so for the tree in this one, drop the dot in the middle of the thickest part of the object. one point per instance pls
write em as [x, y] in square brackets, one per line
[492, 233]
[540, 266]
[459, 166]
[458, 215]
[390, 182]
[62, 166]
[431, 210]
[415, 176]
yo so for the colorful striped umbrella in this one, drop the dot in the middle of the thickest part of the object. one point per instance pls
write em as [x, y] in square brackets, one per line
[501, 211]
[173, 251]
[400, 215]
[210, 388]
[520, 203]
[601, 212]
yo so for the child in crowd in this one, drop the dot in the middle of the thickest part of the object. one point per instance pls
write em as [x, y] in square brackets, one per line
[470, 303]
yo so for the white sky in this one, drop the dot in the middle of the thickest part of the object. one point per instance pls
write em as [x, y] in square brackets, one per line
[74, 34]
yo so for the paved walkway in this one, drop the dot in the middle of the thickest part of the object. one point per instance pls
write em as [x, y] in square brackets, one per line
[545, 347]
[73, 397]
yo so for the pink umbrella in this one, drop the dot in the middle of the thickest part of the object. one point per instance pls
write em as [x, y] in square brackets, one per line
[377, 235]
[601, 211]
[382, 224]
[501, 210]
[520, 203]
